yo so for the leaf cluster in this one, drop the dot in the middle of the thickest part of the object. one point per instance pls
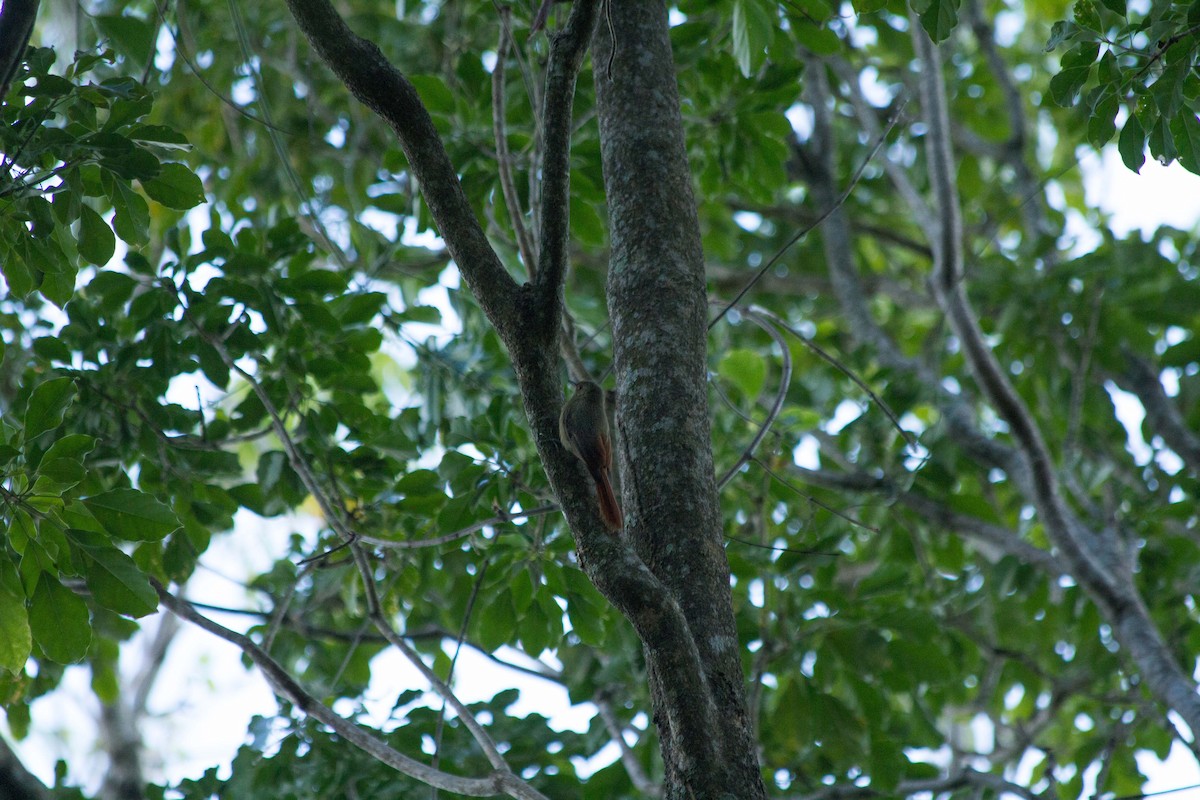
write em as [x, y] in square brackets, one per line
[1141, 62]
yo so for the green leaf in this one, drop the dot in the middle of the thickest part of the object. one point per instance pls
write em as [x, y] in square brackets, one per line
[1161, 141]
[740, 40]
[59, 286]
[420, 481]
[587, 621]
[21, 531]
[1102, 121]
[73, 445]
[114, 578]
[940, 19]
[158, 134]
[1167, 91]
[52, 349]
[496, 622]
[427, 314]
[47, 405]
[1073, 73]
[76, 515]
[315, 281]
[586, 224]
[131, 217]
[535, 630]
[1185, 131]
[17, 274]
[1132, 144]
[746, 369]
[58, 620]
[359, 308]
[57, 475]
[175, 186]
[15, 638]
[132, 37]
[1062, 32]
[436, 96]
[1087, 15]
[132, 515]
[124, 159]
[96, 240]
[817, 38]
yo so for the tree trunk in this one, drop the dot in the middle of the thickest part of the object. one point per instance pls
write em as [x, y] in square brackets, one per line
[16, 782]
[658, 306]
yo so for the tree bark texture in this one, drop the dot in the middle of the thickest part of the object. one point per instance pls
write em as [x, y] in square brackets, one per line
[658, 306]
[667, 573]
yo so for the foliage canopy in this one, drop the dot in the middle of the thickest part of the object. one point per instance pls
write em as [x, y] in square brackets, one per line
[222, 291]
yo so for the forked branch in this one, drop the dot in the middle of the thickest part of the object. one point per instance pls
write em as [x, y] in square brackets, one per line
[501, 781]
[371, 78]
[1094, 557]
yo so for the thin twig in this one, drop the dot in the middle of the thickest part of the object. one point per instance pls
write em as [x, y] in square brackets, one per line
[458, 644]
[842, 368]
[501, 781]
[306, 203]
[785, 382]
[862, 168]
[182, 51]
[461, 533]
[366, 571]
[629, 760]
[504, 165]
[868, 118]
[482, 737]
[542, 670]
[814, 501]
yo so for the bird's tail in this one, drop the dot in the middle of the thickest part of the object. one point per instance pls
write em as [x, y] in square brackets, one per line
[610, 511]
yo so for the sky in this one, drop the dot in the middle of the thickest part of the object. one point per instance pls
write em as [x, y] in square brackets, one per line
[1156, 196]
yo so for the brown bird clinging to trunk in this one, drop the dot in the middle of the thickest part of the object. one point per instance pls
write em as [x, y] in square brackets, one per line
[583, 428]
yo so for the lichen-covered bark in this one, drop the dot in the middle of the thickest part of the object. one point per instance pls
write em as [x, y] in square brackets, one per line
[673, 583]
[658, 306]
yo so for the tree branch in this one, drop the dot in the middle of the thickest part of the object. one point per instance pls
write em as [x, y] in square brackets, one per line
[18, 782]
[1089, 561]
[838, 244]
[637, 776]
[336, 517]
[567, 48]
[1161, 413]
[785, 382]
[988, 534]
[1092, 556]
[1012, 152]
[868, 117]
[504, 166]
[16, 26]
[284, 685]
[461, 533]
[443, 689]
[362, 67]
[955, 779]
